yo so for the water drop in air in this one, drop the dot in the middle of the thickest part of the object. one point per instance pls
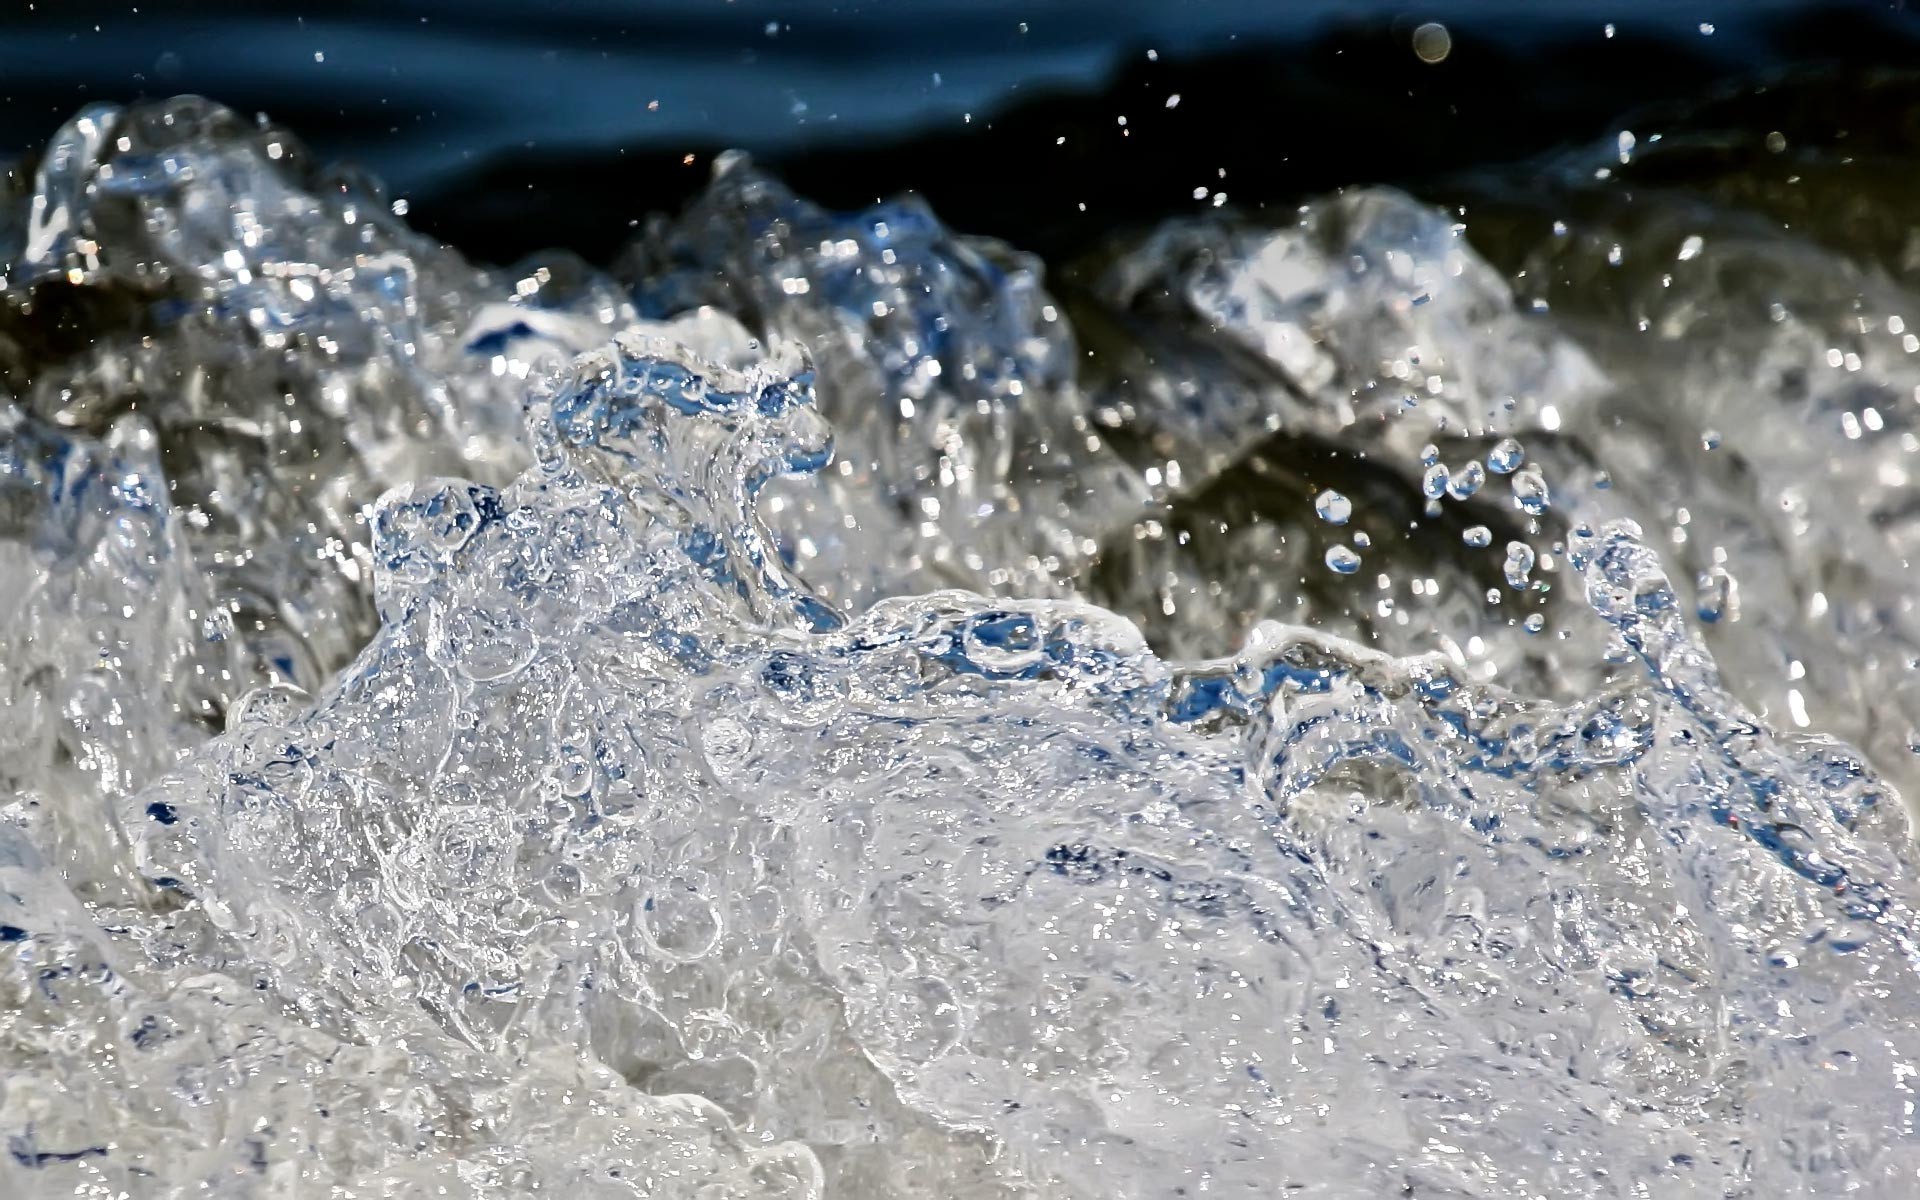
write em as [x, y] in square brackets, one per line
[1519, 564]
[1530, 491]
[1342, 560]
[1467, 480]
[1333, 508]
[1505, 457]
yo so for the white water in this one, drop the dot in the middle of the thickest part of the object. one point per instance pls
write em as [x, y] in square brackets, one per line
[619, 796]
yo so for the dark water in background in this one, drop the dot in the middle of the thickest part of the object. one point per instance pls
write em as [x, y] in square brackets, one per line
[514, 126]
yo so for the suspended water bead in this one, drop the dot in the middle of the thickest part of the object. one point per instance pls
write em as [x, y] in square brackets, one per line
[1434, 483]
[1710, 439]
[1342, 560]
[217, 626]
[1429, 454]
[1519, 564]
[1477, 536]
[1467, 480]
[1506, 457]
[1530, 491]
[1362, 539]
[1534, 623]
[1719, 596]
[1333, 508]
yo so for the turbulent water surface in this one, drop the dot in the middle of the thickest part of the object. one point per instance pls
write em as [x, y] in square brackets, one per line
[1375, 700]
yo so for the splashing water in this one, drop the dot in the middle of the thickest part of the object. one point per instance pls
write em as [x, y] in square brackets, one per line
[617, 795]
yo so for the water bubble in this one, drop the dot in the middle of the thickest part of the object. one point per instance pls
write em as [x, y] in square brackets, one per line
[1432, 43]
[1505, 457]
[1333, 508]
[1342, 560]
[481, 644]
[1534, 623]
[679, 922]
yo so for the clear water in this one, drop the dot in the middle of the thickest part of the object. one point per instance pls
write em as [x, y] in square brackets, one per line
[807, 713]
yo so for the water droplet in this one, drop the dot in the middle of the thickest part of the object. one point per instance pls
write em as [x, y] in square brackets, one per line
[1506, 457]
[1467, 480]
[217, 626]
[1719, 596]
[1519, 564]
[1534, 623]
[1478, 536]
[1434, 483]
[1530, 491]
[1334, 508]
[1342, 560]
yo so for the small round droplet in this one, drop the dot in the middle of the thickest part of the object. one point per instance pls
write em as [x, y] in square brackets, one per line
[1530, 491]
[1342, 560]
[1333, 508]
[1467, 480]
[1362, 539]
[1534, 623]
[1433, 484]
[1478, 536]
[1519, 564]
[1710, 439]
[1506, 457]
[1429, 454]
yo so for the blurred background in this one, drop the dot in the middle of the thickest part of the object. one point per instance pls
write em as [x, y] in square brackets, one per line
[511, 126]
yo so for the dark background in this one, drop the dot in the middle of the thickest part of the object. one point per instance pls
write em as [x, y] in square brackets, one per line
[514, 126]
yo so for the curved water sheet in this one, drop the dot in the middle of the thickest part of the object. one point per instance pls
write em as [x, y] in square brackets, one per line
[618, 864]
[968, 456]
